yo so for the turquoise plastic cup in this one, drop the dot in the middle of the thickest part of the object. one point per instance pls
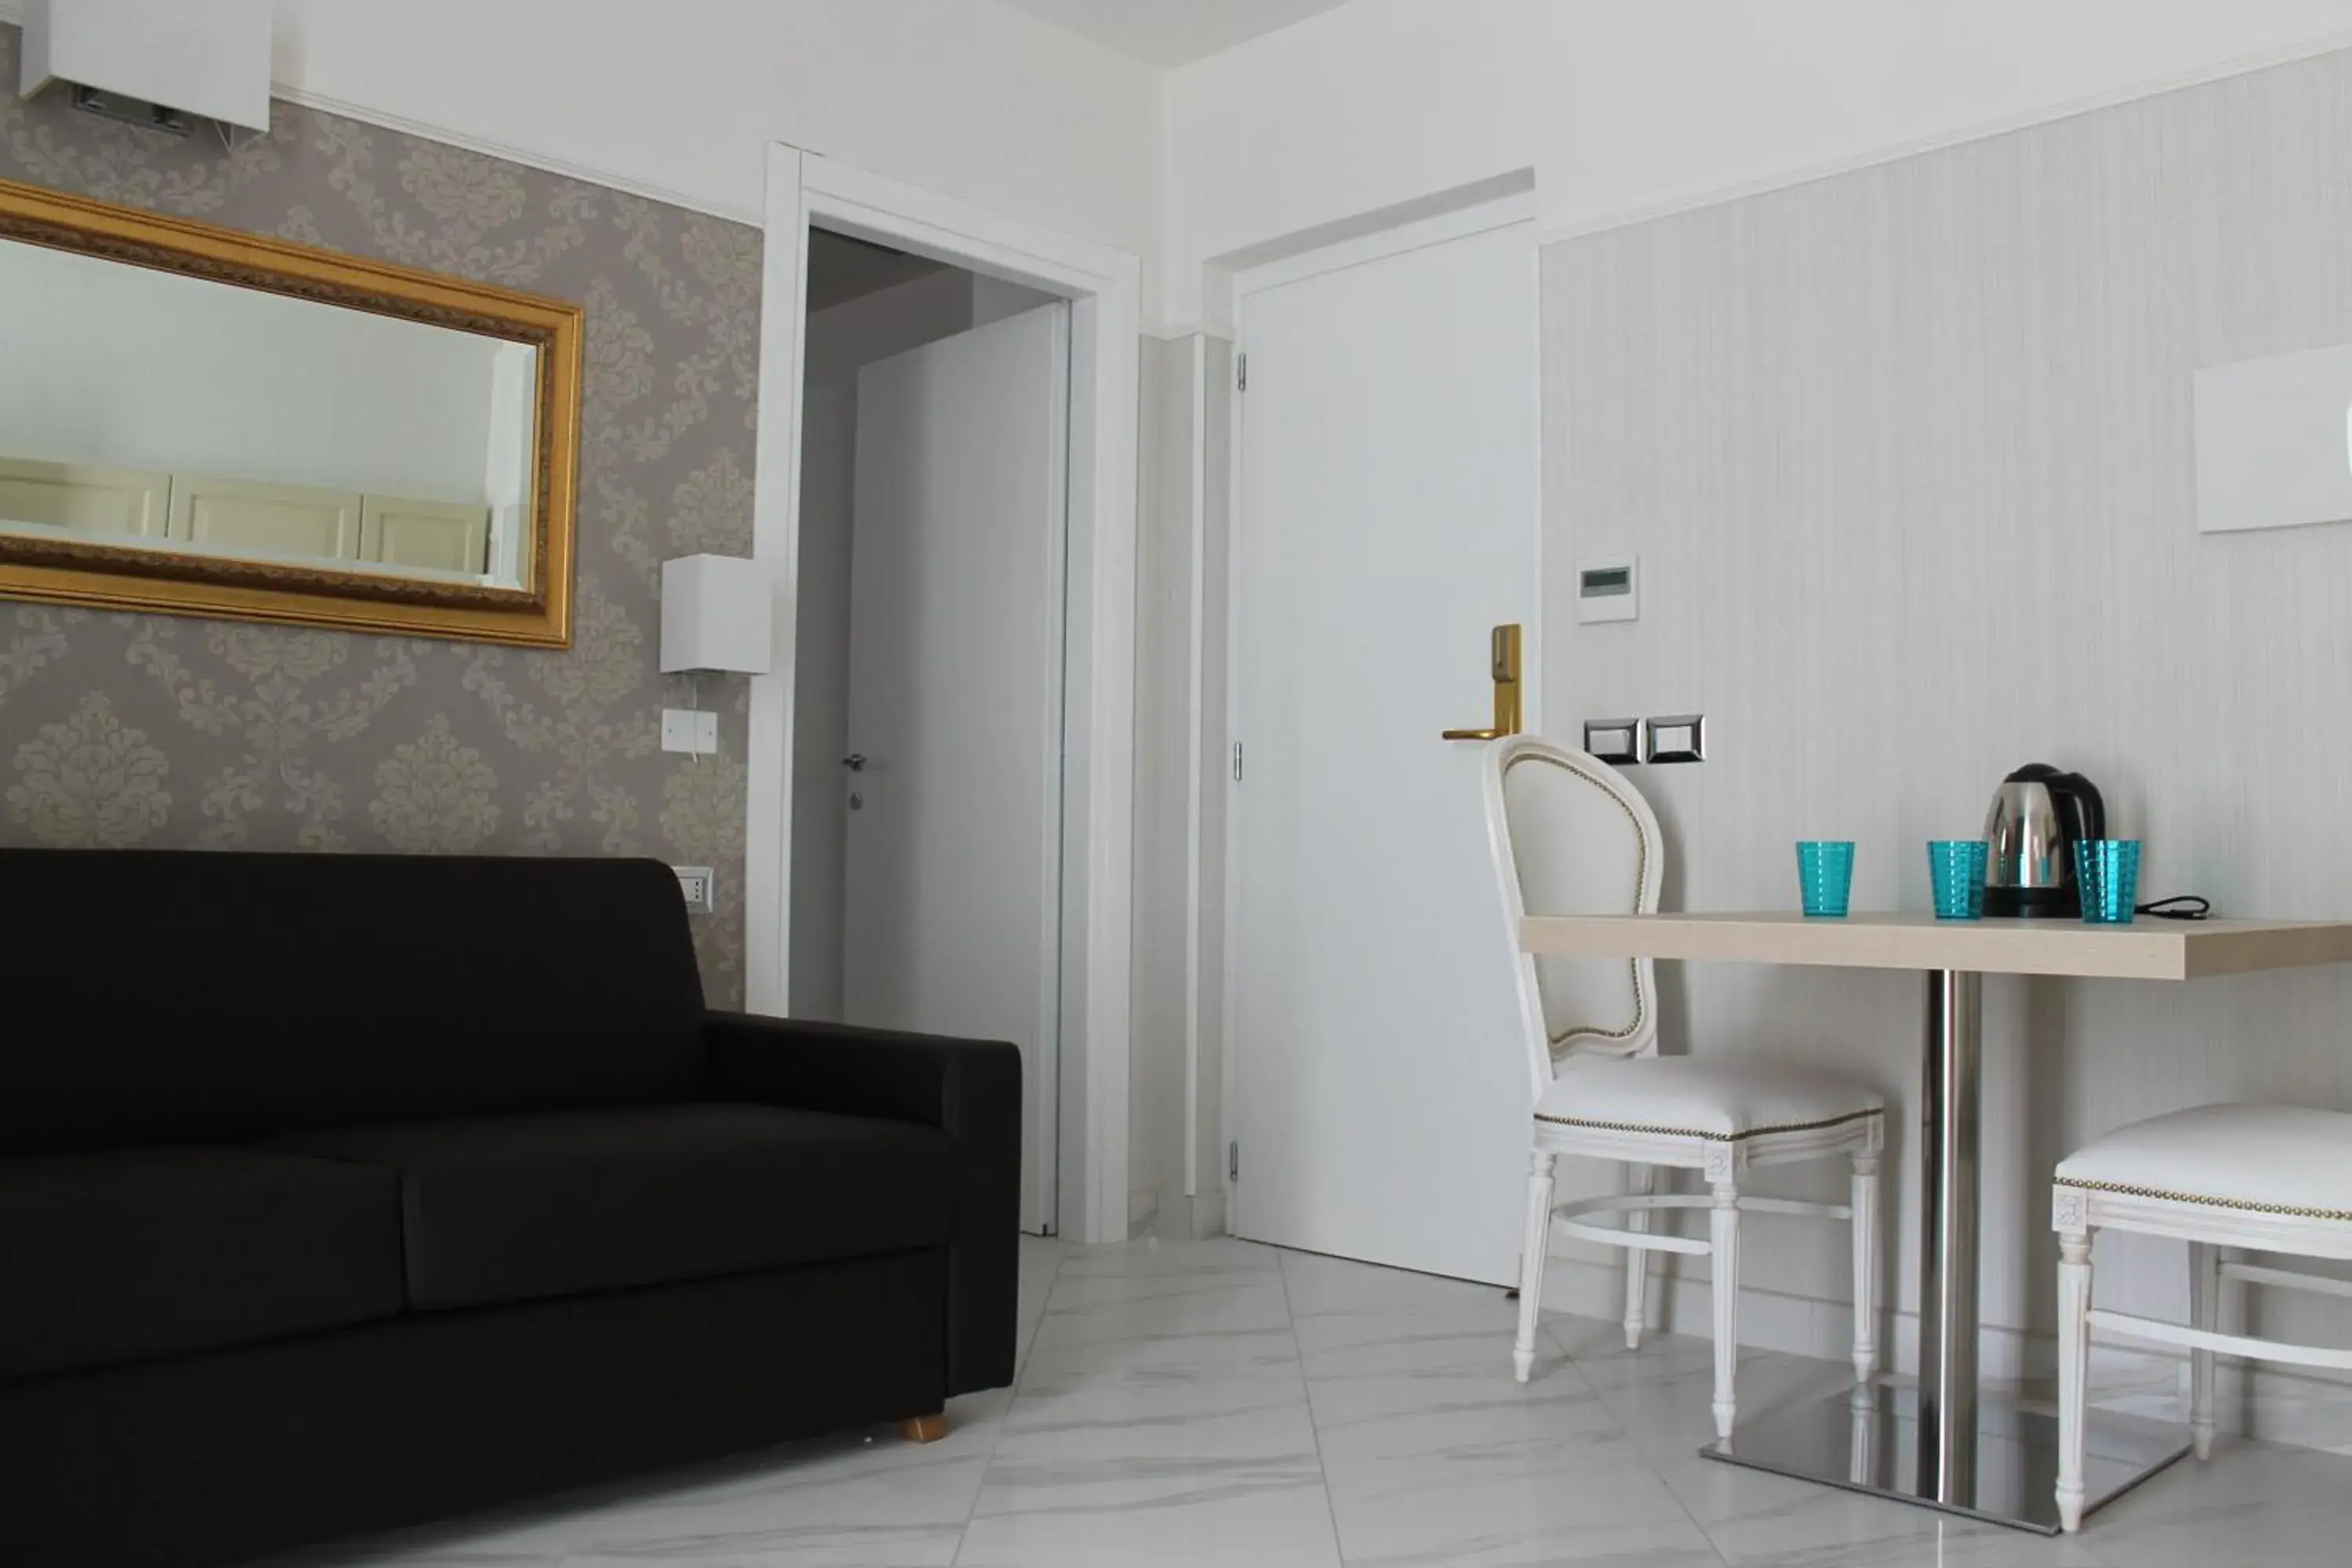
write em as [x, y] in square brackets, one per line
[1956, 868]
[1825, 875]
[2107, 872]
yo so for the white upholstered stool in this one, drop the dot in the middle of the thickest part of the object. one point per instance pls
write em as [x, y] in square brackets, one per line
[1571, 836]
[2268, 1178]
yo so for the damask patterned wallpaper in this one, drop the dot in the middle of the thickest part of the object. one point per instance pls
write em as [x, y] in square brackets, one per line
[142, 729]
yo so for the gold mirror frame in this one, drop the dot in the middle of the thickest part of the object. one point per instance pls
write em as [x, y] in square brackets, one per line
[118, 577]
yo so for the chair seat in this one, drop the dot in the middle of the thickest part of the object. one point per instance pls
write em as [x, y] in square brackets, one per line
[1691, 1097]
[2275, 1158]
[511, 1208]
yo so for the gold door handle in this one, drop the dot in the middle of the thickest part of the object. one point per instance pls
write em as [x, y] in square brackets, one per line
[1503, 652]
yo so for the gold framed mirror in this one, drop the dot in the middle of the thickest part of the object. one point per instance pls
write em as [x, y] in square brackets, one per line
[196, 421]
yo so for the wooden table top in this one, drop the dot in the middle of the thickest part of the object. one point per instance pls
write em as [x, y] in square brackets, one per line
[2145, 950]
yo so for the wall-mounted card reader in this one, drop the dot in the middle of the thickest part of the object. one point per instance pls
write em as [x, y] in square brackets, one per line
[1609, 589]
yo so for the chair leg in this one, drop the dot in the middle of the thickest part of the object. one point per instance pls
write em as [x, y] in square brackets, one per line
[2204, 1304]
[1725, 1236]
[1640, 1180]
[1864, 1202]
[1531, 1258]
[2073, 1357]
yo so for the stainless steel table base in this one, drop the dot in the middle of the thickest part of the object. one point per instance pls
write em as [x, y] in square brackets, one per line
[1941, 1444]
[1880, 1446]
[1950, 1090]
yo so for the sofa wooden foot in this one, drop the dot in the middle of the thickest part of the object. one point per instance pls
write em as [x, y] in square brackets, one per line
[924, 1428]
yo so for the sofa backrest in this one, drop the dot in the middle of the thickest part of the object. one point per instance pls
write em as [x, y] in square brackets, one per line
[151, 995]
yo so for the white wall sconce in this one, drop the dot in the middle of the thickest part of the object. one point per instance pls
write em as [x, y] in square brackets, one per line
[715, 614]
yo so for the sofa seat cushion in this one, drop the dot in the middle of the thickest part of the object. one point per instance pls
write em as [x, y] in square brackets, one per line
[116, 1255]
[512, 1208]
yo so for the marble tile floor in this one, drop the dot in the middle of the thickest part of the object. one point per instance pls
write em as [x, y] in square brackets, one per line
[1229, 1403]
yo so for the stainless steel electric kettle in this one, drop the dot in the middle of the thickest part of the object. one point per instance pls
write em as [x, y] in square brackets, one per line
[2037, 817]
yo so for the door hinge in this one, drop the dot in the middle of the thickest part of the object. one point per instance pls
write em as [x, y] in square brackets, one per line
[1237, 761]
[1234, 1161]
[1240, 373]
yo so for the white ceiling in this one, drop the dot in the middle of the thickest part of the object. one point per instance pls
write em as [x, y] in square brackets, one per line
[1172, 32]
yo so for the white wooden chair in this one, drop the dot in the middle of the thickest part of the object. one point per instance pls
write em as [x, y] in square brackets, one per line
[2267, 1178]
[1571, 836]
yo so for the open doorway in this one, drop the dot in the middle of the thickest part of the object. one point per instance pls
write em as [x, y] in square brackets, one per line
[1086, 1158]
[927, 829]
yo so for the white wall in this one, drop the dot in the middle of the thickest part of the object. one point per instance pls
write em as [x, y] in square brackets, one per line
[888, 322]
[967, 98]
[993, 298]
[820, 698]
[1907, 457]
[136, 369]
[1623, 106]
[1210, 1068]
[841, 341]
[1177, 1072]
[1166, 482]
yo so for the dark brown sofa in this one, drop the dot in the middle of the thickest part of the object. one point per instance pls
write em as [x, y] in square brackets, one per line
[338, 1193]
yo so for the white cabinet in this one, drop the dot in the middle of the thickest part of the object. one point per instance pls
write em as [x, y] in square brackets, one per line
[234, 516]
[244, 516]
[85, 498]
[436, 536]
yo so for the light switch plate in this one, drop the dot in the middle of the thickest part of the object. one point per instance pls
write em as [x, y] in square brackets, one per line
[689, 730]
[701, 888]
[1617, 740]
[1681, 738]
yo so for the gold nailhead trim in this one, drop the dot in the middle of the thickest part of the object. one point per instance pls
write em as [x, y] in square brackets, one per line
[2161, 1196]
[1709, 1137]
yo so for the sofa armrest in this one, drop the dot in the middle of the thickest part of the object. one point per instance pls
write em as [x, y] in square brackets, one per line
[969, 1089]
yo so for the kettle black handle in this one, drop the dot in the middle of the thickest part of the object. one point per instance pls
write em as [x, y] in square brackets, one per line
[2088, 806]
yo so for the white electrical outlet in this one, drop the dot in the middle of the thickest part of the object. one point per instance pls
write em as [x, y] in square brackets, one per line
[701, 888]
[689, 730]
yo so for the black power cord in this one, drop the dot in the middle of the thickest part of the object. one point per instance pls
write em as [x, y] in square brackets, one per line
[2181, 907]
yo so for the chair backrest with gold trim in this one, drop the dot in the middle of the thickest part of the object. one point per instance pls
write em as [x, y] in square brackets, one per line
[1570, 836]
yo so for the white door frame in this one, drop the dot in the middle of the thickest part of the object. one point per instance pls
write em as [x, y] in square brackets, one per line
[1104, 286]
[1480, 214]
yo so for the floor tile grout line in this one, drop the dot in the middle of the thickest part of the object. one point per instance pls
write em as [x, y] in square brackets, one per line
[1012, 1397]
[1306, 1394]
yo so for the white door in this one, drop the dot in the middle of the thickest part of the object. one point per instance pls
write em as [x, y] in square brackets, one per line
[951, 914]
[1388, 520]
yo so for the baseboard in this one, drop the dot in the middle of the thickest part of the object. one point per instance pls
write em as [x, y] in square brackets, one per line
[2276, 1404]
[1186, 1218]
[1208, 1215]
[1799, 1325]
